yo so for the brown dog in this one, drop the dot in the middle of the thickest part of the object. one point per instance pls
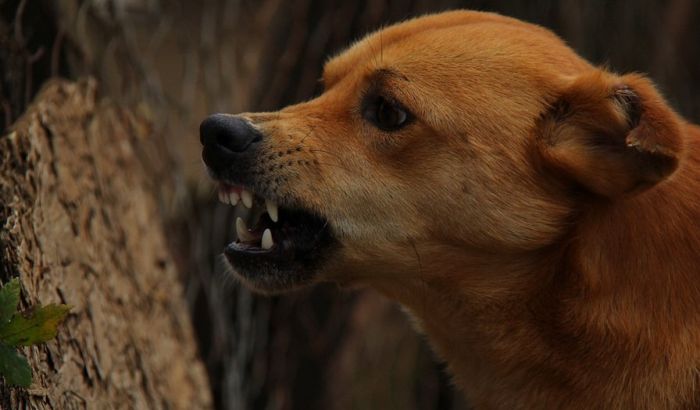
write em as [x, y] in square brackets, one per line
[539, 217]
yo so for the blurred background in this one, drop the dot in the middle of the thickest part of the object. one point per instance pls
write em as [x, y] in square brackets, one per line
[176, 61]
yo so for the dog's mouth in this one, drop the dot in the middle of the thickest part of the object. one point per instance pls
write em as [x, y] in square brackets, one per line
[283, 247]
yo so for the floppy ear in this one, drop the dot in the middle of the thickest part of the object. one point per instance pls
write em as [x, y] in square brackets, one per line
[613, 134]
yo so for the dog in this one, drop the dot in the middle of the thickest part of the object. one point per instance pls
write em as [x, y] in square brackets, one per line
[539, 217]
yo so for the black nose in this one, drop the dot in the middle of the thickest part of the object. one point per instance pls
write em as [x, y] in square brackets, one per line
[228, 132]
[223, 136]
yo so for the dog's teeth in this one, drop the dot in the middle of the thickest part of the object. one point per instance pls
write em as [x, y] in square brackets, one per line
[242, 231]
[247, 198]
[266, 242]
[223, 197]
[233, 198]
[272, 210]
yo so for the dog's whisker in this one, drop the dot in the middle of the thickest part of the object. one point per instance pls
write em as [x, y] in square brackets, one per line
[306, 135]
[424, 295]
[328, 164]
[333, 154]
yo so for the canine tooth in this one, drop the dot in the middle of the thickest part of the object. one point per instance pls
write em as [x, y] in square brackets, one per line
[223, 197]
[242, 231]
[247, 198]
[266, 242]
[272, 210]
[233, 198]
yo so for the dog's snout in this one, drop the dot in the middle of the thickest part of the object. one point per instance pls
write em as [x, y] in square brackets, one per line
[224, 136]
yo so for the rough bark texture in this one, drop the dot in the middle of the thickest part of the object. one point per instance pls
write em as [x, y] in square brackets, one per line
[81, 224]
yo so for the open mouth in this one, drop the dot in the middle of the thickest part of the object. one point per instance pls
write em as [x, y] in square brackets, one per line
[282, 248]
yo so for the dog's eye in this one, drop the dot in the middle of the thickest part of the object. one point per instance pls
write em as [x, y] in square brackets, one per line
[385, 114]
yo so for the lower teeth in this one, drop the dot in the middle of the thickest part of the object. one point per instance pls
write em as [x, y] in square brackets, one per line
[245, 236]
[266, 242]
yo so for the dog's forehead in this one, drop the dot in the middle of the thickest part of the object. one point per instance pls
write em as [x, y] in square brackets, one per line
[374, 43]
[462, 34]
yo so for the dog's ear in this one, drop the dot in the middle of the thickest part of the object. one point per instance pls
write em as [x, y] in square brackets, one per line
[612, 134]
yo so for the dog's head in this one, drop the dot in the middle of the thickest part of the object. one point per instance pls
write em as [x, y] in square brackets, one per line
[456, 133]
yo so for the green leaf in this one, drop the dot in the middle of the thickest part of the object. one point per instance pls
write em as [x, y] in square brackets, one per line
[14, 367]
[38, 327]
[9, 298]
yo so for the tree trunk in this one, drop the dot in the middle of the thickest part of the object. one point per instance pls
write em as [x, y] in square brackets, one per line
[81, 225]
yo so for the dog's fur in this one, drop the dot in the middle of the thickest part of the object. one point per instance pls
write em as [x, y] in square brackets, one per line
[540, 217]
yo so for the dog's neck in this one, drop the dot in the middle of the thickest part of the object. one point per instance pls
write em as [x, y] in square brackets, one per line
[625, 285]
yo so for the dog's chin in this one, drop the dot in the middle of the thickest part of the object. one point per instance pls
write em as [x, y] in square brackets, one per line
[303, 243]
[269, 276]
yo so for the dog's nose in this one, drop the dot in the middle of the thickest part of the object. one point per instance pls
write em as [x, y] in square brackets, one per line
[225, 136]
[228, 132]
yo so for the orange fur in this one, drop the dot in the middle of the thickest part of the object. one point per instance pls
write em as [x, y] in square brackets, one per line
[540, 218]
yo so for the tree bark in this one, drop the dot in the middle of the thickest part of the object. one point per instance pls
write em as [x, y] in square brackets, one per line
[81, 225]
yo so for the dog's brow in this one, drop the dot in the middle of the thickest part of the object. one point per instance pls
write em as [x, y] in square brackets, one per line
[385, 74]
[329, 77]
[389, 72]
